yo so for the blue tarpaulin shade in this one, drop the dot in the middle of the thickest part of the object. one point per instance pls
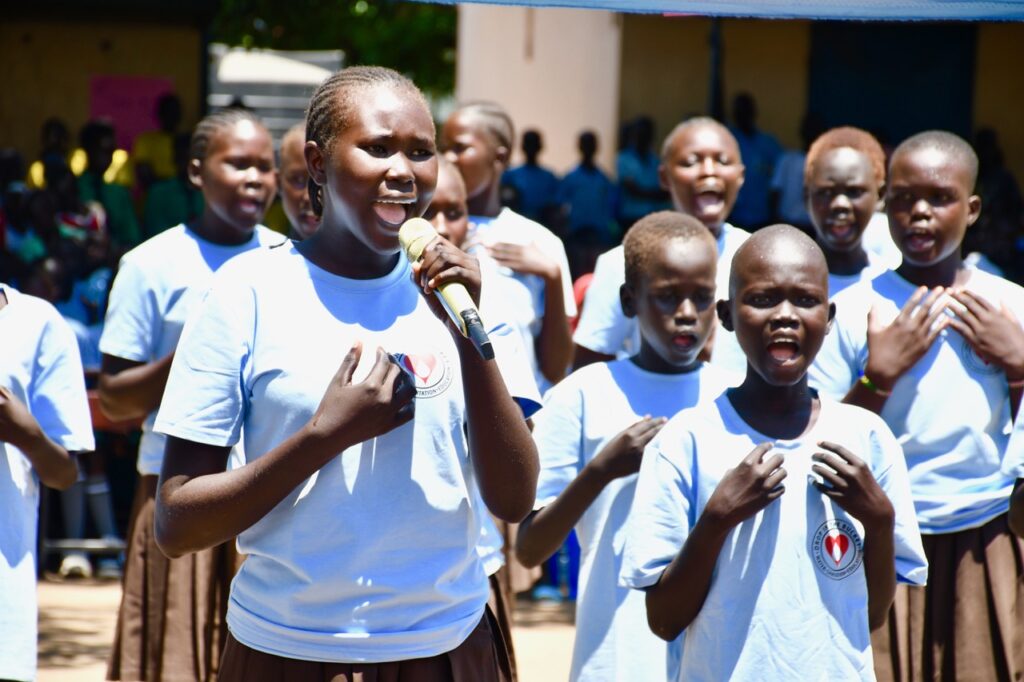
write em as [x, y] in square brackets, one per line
[861, 10]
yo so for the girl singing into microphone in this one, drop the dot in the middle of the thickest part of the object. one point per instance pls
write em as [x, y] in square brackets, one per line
[360, 501]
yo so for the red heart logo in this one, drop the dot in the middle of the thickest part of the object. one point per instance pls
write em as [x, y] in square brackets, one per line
[836, 545]
[420, 365]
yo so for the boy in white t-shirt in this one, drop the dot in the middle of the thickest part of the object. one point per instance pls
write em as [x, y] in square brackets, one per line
[770, 526]
[593, 429]
[703, 172]
[937, 349]
[844, 178]
[44, 416]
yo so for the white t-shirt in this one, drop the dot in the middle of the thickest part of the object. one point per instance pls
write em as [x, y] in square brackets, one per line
[837, 283]
[604, 328]
[156, 286]
[878, 240]
[951, 411]
[374, 557]
[39, 363]
[581, 415]
[788, 181]
[788, 599]
[523, 295]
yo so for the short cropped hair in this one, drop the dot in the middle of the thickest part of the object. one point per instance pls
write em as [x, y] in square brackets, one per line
[953, 145]
[690, 124]
[839, 138]
[651, 233]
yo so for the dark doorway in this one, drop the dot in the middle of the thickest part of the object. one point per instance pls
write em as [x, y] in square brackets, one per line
[893, 79]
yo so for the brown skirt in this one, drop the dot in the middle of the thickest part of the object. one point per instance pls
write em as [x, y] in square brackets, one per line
[968, 623]
[498, 603]
[171, 625]
[478, 659]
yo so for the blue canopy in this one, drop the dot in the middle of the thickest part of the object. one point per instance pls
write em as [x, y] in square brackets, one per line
[861, 10]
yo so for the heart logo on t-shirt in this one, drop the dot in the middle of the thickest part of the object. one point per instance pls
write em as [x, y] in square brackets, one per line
[836, 546]
[422, 366]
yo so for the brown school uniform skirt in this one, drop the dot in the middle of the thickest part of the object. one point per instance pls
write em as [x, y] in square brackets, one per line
[968, 623]
[479, 659]
[171, 624]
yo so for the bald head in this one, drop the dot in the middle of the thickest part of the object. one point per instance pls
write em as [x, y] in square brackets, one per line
[953, 147]
[780, 249]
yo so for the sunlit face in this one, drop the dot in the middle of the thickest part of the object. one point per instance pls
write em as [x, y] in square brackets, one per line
[674, 304]
[473, 150]
[295, 188]
[447, 211]
[779, 308]
[238, 177]
[380, 170]
[703, 173]
[930, 205]
[842, 194]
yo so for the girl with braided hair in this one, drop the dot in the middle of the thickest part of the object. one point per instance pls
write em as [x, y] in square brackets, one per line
[375, 436]
[171, 620]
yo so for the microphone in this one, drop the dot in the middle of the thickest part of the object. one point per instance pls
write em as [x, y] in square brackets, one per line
[414, 236]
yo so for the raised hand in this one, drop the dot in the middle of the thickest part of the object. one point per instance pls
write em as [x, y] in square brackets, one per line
[351, 413]
[994, 333]
[526, 259]
[623, 453]
[17, 426]
[847, 479]
[444, 263]
[894, 349]
[747, 488]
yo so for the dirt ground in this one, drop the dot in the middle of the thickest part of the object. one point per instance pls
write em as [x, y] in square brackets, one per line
[76, 626]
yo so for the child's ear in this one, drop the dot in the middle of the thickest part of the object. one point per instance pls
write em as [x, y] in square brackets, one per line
[195, 173]
[725, 314]
[503, 155]
[628, 300]
[315, 162]
[831, 318]
[663, 176]
[973, 209]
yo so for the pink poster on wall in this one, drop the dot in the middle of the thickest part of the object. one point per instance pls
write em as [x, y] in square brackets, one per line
[128, 101]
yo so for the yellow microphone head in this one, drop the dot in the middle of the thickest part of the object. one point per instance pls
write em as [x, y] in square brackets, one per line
[414, 235]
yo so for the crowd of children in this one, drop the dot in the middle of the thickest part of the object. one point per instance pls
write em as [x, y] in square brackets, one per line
[787, 454]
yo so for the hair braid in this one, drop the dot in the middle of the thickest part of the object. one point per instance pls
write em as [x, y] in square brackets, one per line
[199, 145]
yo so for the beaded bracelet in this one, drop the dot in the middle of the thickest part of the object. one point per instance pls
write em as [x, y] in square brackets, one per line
[871, 386]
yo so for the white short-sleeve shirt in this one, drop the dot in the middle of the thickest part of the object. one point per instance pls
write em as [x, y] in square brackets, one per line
[604, 328]
[950, 412]
[837, 283]
[788, 598]
[373, 558]
[40, 365]
[523, 295]
[581, 415]
[156, 286]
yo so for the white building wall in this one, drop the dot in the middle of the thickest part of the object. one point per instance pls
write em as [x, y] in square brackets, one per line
[556, 70]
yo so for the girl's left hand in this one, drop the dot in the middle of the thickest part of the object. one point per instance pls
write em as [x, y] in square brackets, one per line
[849, 482]
[444, 263]
[994, 334]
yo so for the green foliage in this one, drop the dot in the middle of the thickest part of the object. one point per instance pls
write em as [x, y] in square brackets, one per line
[416, 39]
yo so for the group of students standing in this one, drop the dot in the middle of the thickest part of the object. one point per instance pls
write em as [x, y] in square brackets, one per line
[752, 458]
